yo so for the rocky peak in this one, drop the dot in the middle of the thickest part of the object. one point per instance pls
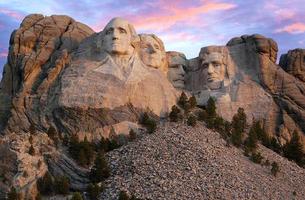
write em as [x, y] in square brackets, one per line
[293, 63]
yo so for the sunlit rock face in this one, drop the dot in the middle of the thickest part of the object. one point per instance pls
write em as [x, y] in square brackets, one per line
[112, 77]
[294, 63]
[244, 74]
[152, 52]
[177, 66]
[39, 51]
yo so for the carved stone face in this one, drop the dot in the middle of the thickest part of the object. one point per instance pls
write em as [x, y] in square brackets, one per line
[176, 69]
[176, 75]
[151, 52]
[213, 68]
[117, 37]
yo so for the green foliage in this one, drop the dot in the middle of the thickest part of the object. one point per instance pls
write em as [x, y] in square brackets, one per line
[182, 100]
[77, 196]
[107, 145]
[202, 115]
[275, 168]
[239, 122]
[174, 115]
[82, 152]
[293, 150]
[13, 195]
[45, 184]
[132, 135]
[251, 141]
[100, 170]
[191, 121]
[211, 108]
[32, 150]
[93, 191]
[62, 185]
[193, 101]
[256, 157]
[149, 123]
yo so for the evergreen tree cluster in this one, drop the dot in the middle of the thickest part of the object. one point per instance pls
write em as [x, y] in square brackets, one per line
[81, 151]
[148, 122]
[93, 191]
[107, 145]
[47, 185]
[293, 150]
[186, 105]
[100, 170]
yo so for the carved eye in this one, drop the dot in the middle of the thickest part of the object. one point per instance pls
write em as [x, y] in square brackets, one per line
[157, 47]
[216, 64]
[204, 65]
[122, 30]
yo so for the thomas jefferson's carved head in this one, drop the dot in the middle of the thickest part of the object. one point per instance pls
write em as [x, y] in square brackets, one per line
[119, 37]
[152, 51]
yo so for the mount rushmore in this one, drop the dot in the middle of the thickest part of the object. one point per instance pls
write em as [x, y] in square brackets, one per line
[60, 73]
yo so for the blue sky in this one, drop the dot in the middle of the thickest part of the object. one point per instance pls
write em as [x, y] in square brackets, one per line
[184, 26]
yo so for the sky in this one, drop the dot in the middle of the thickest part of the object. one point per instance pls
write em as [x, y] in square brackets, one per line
[184, 26]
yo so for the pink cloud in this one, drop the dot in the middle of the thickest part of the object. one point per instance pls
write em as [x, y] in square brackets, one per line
[285, 14]
[11, 13]
[166, 16]
[175, 15]
[294, 28]
[172, 37]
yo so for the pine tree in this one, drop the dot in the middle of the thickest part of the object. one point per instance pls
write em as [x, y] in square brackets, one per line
[251, 141]
[62, 185]
[191, 121]
[238, 124]
[100, 171]
[45, 185]
[275, 168]
[132, 135]
[293, 150]
[94, 190]
[211, 108]
[193, 101]
[174, 114]
[182, 100]
[202, 115]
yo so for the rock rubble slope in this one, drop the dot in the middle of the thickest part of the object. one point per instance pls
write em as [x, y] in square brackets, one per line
[179, 162]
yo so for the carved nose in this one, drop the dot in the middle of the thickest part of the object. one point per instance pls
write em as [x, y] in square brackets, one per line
[210, 69]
